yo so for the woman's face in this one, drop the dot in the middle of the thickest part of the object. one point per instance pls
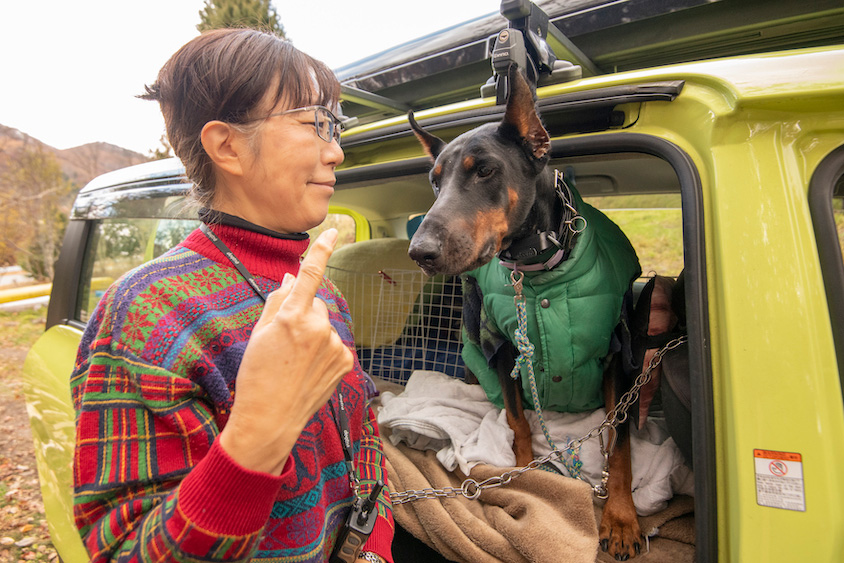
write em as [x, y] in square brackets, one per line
[289, 176]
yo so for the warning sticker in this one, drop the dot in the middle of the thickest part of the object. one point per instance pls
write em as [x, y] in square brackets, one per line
[779, 480]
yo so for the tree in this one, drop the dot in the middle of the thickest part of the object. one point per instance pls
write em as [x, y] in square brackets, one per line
[257, 14]
[162, 152]
[87, 158]
[34, 194]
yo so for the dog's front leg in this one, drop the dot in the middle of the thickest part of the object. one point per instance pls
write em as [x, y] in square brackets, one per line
[469, 376]
[620, 534]
[511, 390]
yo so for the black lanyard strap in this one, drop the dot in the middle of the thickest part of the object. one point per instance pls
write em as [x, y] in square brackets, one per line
[221, 246]
[341, 419]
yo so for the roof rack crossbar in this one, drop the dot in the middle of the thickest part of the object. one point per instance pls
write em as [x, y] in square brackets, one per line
[368, 99]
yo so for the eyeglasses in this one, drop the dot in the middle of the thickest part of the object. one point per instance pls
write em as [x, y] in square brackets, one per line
[328, 126]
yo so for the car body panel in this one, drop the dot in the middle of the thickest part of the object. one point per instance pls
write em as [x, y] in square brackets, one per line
[52, 420]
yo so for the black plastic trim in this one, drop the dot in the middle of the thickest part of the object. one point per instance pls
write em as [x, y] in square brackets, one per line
[79, 325]
[697, 304]
[600, 100]
[396, 169]
[821, 192]
[68, 269]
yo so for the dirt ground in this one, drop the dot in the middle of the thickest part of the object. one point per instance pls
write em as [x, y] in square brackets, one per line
[23, 529]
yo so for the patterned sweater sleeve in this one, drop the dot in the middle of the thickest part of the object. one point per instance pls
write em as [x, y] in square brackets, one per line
[151, 481]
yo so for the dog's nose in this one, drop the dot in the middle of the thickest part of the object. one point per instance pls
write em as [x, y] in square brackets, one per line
[425, 251]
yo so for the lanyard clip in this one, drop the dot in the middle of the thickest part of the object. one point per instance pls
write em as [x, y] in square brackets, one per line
[358, 527]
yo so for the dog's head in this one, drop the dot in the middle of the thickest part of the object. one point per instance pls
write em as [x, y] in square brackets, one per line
[486, 185]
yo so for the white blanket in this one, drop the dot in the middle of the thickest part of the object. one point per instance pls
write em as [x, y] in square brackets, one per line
[440, 413]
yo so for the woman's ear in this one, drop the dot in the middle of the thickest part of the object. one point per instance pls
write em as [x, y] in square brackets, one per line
[223, 146]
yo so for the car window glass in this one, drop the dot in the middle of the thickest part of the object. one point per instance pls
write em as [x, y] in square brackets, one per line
[115, 246]
[345, 225]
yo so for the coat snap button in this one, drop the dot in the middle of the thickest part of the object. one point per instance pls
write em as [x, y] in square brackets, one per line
[545, 303]
[556, 379]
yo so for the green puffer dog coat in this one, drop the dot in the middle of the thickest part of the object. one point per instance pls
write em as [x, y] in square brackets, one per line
[572, 311]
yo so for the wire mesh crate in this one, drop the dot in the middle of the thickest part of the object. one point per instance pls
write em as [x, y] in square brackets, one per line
[403, 321]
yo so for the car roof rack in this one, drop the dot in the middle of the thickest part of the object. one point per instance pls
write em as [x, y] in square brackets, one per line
[599, 36]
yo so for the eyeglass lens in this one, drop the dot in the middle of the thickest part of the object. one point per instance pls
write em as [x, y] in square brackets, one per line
[325, 126]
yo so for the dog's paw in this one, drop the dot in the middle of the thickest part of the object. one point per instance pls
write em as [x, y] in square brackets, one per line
[620, 534]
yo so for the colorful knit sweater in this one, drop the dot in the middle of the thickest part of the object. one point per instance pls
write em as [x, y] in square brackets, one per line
[153, 386]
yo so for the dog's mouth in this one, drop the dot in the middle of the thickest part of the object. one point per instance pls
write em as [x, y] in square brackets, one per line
[449, 261]
[429, 271]
[487, 253]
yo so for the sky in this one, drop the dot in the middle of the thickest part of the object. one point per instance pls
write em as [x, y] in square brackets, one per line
[70, 69]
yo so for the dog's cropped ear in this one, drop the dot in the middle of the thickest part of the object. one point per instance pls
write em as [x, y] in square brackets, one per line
[433, 145]
[521, 115]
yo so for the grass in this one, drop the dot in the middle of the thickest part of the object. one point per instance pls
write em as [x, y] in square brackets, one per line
[657, 234]
[23, 527]
[22, 328]
[654, 225]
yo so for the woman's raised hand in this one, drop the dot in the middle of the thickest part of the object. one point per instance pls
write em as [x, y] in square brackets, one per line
[292, 364]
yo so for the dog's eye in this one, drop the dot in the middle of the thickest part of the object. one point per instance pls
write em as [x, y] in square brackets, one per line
[483, 171]
[436, 186]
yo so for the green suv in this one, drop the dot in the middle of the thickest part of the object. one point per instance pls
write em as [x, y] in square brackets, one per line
[729, 169]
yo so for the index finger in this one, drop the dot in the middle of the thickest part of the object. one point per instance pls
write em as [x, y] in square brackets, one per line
[312, 269]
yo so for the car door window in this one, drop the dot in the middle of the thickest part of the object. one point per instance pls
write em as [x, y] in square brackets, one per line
[115, 246]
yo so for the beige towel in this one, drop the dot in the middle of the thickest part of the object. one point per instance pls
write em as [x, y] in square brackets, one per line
[538, 517]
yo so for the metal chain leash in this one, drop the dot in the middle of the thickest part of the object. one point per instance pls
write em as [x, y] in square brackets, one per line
[472, 489]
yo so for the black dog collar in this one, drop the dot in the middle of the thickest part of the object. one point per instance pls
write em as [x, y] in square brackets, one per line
[547, 249]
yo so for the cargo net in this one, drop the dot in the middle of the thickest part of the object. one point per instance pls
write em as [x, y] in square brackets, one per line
[404, 321]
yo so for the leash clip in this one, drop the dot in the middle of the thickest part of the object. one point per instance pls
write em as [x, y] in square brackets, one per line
[516, 279]
[601, 490]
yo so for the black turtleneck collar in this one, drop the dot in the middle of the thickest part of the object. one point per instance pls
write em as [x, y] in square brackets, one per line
[214, 217]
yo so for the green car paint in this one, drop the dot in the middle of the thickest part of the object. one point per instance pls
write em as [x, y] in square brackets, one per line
[46, 386]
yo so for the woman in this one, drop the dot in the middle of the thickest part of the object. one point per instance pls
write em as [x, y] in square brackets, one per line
[209, 420]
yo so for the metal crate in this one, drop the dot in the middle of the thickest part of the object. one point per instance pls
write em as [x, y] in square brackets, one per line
[404, 321]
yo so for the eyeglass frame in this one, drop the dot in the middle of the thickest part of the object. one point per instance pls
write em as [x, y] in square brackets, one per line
[336, 125]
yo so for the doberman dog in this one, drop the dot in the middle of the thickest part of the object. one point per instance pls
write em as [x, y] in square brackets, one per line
[494, 188]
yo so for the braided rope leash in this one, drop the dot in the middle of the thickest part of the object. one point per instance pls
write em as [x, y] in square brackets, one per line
[525, 358]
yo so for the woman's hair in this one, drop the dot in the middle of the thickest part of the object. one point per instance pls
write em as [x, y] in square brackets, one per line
[224, 75]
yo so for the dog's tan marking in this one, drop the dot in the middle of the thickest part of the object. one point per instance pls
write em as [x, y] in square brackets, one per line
[512, 198]
[521, 114]
[438, 169]
[468, 163]
[490, 223]
[522, 446]
[619, 532]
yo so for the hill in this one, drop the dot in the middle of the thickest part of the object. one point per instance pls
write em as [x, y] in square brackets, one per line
[80, 164]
